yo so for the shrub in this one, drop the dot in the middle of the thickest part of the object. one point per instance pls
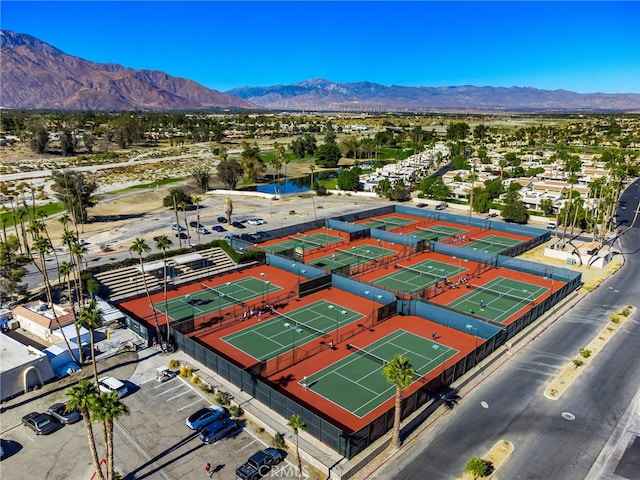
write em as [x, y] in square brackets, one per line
[278, 441]
[577, 362]
[585, 353]
[615, 318]
[196, 380]
[292, 212]
[173, 363]
[236, 411]
[185, 372]
[625, 312]
[221, 398]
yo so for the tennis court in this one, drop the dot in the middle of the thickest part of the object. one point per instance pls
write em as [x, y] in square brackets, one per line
[360, 254]
[492, 243]
[387, 222]
[437, 232]
[216, 298]
[499, 299]
[413, 278]
[356, 382]
[284, 332]
[314, 240]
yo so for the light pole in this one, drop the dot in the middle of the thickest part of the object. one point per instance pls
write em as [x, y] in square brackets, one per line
[265, 284]
[475, 348]
[373, 305]
[343, 312]
[298, 272]
[294, 330]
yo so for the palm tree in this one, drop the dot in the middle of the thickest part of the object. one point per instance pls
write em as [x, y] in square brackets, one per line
[282, 153]
[140, 246]
[78, 251]
[163, 243]
[184, 206]
[228, 209]
[197, 200]
[107, 408]
[69, 239]
[80, 397]
[65, 270]
[90, 317]
[399, 372]
[296, 424]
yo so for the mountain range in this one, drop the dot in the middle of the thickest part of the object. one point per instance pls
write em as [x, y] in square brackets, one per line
[36, 75]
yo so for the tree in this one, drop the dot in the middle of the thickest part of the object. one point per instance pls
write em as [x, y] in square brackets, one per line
[478, 467]
[514, 210]
[39, 140]
[163, 243]
[230, 172]
[400, 373]
[457, 131]
[12, 270]
[460, 162]
[176, 196]
[80, 398]
[197, 200]
[296, 424]
[65, 269]
[546, 205]
[349, 179]
[202, 175]
[68, 143]
[228, 209]
[107, 408]
[328, 155]
[252, 164]
[75, 192]
[140, 246]
[90, 317]
[434, 187]
[481, 201]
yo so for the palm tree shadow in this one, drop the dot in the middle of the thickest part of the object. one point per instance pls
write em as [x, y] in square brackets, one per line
[283, 381]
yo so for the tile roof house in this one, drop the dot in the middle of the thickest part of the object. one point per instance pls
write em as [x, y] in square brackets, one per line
[38, 319]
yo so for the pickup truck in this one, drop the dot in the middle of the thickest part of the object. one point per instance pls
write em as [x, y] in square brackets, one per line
[259, 464]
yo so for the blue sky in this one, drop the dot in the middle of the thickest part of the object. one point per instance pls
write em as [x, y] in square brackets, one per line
[584, 47]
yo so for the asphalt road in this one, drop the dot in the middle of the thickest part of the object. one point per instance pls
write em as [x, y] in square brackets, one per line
[554, 439]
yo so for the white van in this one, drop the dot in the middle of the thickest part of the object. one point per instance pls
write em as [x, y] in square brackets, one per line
[552, 226]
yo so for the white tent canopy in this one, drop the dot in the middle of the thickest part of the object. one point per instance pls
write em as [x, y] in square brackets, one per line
[192, 257]
[150, 267]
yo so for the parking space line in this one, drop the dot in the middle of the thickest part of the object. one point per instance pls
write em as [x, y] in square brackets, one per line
[176, 396]
[146, 381]
[163, 384]
[187, 406]
[248, 444]
[167, 391]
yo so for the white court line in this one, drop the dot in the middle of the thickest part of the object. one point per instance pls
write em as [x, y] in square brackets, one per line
[176, 396]
[190, 404]
[167, 391]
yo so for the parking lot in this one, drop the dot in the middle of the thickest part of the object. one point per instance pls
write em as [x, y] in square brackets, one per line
[153, 441]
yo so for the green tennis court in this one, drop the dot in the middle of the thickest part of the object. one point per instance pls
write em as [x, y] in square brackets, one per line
[413, 278]
[499, 299]
[284, 332]
[492, 243]
[352, 256]
[387, 222]
[315, 240]
[216, 298]
[357, 384]
[436, 232]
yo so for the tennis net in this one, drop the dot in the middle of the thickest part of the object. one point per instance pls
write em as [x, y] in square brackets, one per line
[366, 354]
[389, 222]
[222, 294]
[292, 322]
[530, 298]
[492, 243]
[438, 276]
[437, 232]
[306, 241]
[364, 257]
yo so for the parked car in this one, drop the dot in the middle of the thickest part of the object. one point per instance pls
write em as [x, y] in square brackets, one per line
[247, 237]
[203, 231]
[182, 235]
[256, 221]
[60, 413]
[441, 206]
[552, 226]
[218, 430]
[112, 384]
[177, 227]
[222, 220]
[195, 224]
[204, 416]
[40, 423]
[238, 225]
[219, 228]
[230, 236]
[421, 205]
[261, 235]
[259, 464]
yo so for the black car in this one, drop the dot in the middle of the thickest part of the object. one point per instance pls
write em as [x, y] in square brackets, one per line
[194, 224]
[247, 237]
[41, 423]
[238, 225]
[222, 220]
[182, 235]
[218, 228]
[218, 430]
